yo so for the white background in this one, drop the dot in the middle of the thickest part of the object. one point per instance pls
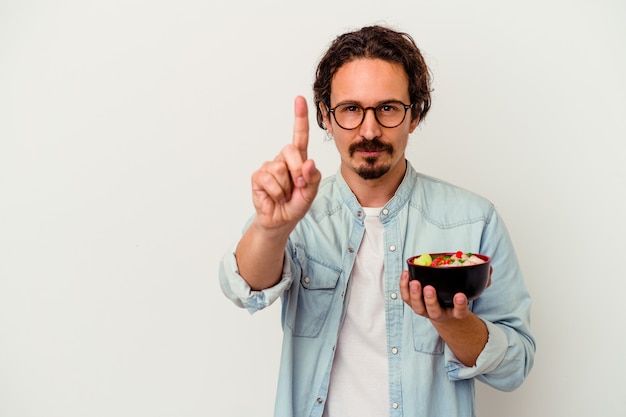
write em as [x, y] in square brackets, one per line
[128, 133]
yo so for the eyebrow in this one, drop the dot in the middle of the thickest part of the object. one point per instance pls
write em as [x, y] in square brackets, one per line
[391, 100]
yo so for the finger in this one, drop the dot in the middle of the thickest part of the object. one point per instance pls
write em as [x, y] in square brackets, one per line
[431, 303]
[312, 178]
[417, 298]
[273, 180]
[404, 287]
[301, 127]
[292, 158]
[461, 309]
[411, 293]
[310, 173]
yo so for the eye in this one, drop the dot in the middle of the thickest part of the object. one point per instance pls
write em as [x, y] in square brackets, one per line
[350, 108]
[391, 107]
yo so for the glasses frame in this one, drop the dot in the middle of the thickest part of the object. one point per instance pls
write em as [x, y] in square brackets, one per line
[373, 108]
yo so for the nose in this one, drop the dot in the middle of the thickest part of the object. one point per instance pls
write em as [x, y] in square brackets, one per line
[370, 128]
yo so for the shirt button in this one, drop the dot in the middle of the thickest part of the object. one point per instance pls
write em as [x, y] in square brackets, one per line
[392, 248]
[394, 405]
[393, 295]
[307, 280]
[319, 401]
[394, 351]
[385, 211]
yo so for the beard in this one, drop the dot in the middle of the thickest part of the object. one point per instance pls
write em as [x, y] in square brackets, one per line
[371, 169]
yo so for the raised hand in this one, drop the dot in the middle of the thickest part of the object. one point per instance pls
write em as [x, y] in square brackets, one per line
[282, 193]
[283, 189]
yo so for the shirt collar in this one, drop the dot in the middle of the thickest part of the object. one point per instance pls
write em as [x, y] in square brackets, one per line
[393, 206]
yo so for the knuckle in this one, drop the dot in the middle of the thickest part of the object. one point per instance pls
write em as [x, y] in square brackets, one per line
[289, 149]
[280, 169]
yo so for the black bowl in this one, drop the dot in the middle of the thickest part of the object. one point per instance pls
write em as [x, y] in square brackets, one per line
[471, 280]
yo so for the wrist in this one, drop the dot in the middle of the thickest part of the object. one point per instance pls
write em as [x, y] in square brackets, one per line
[271, 232]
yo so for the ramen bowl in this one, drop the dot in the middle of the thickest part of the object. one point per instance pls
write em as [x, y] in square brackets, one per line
[468, 278]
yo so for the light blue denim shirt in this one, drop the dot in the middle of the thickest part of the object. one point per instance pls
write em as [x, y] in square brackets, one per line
[425, 379]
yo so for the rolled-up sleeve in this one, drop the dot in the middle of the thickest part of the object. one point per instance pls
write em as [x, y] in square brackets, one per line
[508, 356]
[239, 292]
[488, 360]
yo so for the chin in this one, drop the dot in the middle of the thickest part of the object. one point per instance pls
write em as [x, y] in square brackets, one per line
[370, 171]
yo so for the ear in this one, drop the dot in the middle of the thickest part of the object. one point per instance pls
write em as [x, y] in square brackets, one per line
[414, 123]
[326, 118]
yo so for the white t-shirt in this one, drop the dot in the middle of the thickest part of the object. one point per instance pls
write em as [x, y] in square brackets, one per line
[359, 380]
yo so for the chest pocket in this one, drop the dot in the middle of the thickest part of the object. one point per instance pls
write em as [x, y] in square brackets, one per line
[316, 292]
[425, 337]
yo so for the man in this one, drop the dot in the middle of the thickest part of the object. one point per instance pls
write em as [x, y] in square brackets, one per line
[359, 338]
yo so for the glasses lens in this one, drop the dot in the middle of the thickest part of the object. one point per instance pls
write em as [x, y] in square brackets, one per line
[390, 114]
[349, 116]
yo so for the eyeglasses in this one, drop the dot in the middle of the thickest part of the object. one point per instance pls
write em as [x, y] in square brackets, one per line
[389, 114]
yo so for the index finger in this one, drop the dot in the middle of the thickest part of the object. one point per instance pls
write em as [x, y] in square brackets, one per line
[301, 127]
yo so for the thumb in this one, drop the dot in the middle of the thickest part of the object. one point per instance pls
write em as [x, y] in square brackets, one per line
[312, 177]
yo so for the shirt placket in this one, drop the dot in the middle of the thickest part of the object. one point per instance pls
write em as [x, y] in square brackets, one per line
[393, 309]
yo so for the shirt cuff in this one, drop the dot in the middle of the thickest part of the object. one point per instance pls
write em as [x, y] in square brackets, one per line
[488, 360]
[237, 289]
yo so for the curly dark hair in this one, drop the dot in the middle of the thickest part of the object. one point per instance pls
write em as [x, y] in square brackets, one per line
[375, 42]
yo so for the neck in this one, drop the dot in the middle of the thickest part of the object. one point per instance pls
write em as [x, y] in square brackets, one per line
[375, 192]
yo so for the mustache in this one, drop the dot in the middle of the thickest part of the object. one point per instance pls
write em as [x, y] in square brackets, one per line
[373, 145]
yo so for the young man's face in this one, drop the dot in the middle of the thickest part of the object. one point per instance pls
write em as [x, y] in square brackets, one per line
[370, 150]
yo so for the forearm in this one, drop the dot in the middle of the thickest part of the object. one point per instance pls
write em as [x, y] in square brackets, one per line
[466, 338]
[260, 255]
